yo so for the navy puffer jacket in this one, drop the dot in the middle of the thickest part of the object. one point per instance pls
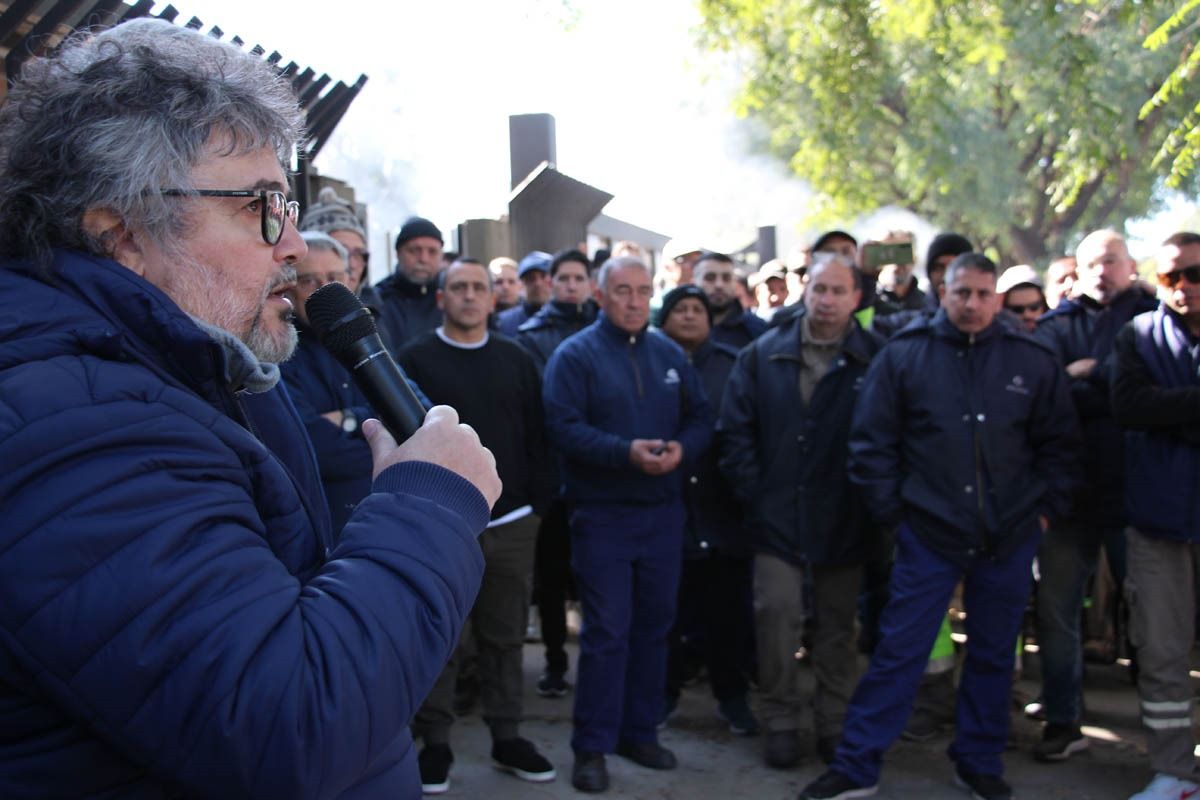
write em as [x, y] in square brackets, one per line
[170, 621]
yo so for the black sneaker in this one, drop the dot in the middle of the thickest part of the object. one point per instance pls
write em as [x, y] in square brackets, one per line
[553, 684]
[739, 716]
[522, 759]
[434, 763]
[836, 786]
[590, 773]
[648, 754]
[1059, 742]
[983, 787]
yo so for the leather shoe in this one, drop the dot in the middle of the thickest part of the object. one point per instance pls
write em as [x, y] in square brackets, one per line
[590, 773]
[648, 754]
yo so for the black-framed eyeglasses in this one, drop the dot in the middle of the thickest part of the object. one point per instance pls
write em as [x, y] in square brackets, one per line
[1171, 279]
[276, 208]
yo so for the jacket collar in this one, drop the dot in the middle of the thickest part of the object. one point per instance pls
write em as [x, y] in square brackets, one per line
[398, 283]
[614, 332]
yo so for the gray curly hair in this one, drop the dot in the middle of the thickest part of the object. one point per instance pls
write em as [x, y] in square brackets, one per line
[111, 119]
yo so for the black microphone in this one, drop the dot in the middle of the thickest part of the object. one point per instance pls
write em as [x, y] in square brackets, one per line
[347, 330]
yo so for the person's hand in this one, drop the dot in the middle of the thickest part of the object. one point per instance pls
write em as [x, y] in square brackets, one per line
[1044, 522]
[671, 456]
[1081, 368]
[335, 417]
[655, 456]
[441, 440]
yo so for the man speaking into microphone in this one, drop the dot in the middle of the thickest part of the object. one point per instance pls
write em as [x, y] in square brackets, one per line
[175, 617]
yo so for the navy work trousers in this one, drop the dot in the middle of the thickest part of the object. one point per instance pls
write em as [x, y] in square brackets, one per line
[995, 592]
[626, 561]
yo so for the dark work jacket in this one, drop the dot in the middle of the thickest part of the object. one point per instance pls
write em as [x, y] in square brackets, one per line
[545, 331]
[1082, 328]
[1156, 398]
[966, 438]
[787, 461]
[174, 617]
[738, 330]
[319, 384]
[407, 309]
[604, 388]
[714, 514]
[509, 320]
[913, 300]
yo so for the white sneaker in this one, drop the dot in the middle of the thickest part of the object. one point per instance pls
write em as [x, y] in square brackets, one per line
[1168, 787]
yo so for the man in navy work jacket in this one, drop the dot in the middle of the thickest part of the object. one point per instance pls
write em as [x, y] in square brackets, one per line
[971, 468]
[175, 618]
[1156, 398]
[625, 410]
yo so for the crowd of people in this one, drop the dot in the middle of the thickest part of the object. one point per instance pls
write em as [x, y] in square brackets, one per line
[762, 472]
[740, 469]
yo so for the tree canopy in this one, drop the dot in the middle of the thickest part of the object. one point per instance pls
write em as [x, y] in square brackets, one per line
[1016, 123]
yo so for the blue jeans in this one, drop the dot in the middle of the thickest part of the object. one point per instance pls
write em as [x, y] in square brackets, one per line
[1066, 560]
[995, 592]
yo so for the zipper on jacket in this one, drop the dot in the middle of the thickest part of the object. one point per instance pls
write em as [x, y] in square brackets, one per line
[637, 375]
[979, 499]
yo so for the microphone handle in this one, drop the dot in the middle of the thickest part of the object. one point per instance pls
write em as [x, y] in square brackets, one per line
[385, 387]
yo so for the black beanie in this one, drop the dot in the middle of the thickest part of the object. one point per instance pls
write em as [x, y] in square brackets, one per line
[680, 293]
[946, 244]
[417, 226]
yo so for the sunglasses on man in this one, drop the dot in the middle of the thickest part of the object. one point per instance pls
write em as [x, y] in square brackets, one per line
[1171, 279]
[1017, 308]
[274, 205]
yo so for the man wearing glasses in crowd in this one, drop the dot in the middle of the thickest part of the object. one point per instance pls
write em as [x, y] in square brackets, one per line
[1156, 398]
[175, 616]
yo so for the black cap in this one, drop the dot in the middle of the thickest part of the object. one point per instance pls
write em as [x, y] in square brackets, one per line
[671, 298]
[834, 234]
[418, 226]
[946, 244]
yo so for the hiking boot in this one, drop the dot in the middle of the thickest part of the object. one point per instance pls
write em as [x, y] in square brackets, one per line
[1059, 742]
[522, 759]
[648, 754]
[782, 749]
[553, 684]
[590, 773]
[1167, 787]
[434, 764]
[983, 787]
[835, 786]
[741, 720]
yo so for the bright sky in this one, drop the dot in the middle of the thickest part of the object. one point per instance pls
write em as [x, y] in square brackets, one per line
[641, 112]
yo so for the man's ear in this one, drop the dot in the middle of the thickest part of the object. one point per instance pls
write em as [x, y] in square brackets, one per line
[109, 229]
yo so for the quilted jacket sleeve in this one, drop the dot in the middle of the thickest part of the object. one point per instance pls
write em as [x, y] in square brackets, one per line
[138, 594]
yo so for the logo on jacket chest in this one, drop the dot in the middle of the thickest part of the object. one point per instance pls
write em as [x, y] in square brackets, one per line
[1017, 384]
[672, 377]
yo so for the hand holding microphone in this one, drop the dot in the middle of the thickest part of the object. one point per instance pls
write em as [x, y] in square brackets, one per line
[346, 328]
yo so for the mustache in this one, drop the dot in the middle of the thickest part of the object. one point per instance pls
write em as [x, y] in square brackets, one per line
[286, 276]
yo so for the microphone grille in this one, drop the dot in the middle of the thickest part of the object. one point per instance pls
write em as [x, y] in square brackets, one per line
[339, 318]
